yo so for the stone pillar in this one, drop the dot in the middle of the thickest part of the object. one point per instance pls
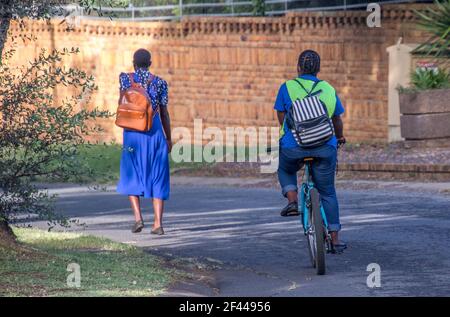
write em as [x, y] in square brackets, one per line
[399, 73]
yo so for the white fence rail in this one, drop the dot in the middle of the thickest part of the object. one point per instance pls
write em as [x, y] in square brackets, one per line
[229, 8]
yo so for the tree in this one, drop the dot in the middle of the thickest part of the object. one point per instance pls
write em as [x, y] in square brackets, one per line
[37, 137]
[42, 9]
[259, 7]
[436, 21]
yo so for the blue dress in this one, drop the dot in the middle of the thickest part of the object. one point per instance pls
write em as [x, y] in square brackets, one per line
[144, 165]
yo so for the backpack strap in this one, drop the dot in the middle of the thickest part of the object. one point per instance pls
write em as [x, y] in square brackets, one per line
[309, 93]
[149, 81]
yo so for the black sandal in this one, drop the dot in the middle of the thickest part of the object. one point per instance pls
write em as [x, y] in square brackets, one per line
[290, 210]
[338, 248]
[138, 226]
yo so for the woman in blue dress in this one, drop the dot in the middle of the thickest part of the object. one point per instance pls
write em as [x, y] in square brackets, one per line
[144, 166]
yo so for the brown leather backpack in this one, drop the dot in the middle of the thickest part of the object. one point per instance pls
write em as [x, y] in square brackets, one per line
[135, 111]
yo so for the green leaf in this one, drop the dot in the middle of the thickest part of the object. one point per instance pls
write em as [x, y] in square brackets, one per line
[436, 21]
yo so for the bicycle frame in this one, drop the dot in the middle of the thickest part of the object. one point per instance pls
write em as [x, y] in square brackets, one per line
[305, 199]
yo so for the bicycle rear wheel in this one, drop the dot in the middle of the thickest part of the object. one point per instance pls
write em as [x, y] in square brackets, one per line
[318, 233]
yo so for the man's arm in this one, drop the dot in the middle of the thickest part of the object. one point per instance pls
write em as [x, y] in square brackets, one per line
[165, 120]
[338, 128]
[280, 115]
[337, 121]
[281, 102]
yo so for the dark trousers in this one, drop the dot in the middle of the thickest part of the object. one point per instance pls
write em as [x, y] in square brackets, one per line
[323, 173]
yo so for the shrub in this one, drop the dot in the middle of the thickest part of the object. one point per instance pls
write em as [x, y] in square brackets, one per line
[423, 79]
[37, 136]
[435, 21]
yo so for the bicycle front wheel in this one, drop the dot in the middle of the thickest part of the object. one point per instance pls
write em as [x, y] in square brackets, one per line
[318, 232]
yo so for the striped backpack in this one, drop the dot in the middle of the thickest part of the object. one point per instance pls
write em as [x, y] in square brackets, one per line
[308, 119]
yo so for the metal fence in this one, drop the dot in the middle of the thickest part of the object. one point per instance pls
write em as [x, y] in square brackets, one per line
[173, 11]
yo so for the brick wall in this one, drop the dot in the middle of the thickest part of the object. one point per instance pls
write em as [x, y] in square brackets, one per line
[228, 70]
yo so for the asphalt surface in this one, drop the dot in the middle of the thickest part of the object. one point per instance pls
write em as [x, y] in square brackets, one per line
[254, 252]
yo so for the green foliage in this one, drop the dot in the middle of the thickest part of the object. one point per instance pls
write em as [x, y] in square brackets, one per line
[34, 137]
[45, 9]
[227, 8]
[101, 163]
[259, 7]
[37, 136]
[435, 21]
[423, 79]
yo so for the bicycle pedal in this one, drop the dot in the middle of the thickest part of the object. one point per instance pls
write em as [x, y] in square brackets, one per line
[331, 249]
[334, 251]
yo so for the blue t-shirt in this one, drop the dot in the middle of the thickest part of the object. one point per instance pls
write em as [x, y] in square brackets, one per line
[284, 102]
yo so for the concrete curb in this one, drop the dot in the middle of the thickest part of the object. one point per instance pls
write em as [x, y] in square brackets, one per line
[395, 168]
[78, 189]
[258, 182]
[69, 189]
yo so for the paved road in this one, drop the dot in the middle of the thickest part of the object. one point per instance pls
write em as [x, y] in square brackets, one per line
[258, 253]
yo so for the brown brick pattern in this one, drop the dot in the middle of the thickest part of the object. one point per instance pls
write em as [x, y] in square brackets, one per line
[228, 70]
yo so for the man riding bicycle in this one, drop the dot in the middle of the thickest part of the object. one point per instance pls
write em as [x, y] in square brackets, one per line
[325, 155]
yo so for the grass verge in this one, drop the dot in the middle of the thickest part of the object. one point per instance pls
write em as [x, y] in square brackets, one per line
[38, 267]
[102, 162]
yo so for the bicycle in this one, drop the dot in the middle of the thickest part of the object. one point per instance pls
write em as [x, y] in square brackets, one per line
[309, 198]
[314, 220]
